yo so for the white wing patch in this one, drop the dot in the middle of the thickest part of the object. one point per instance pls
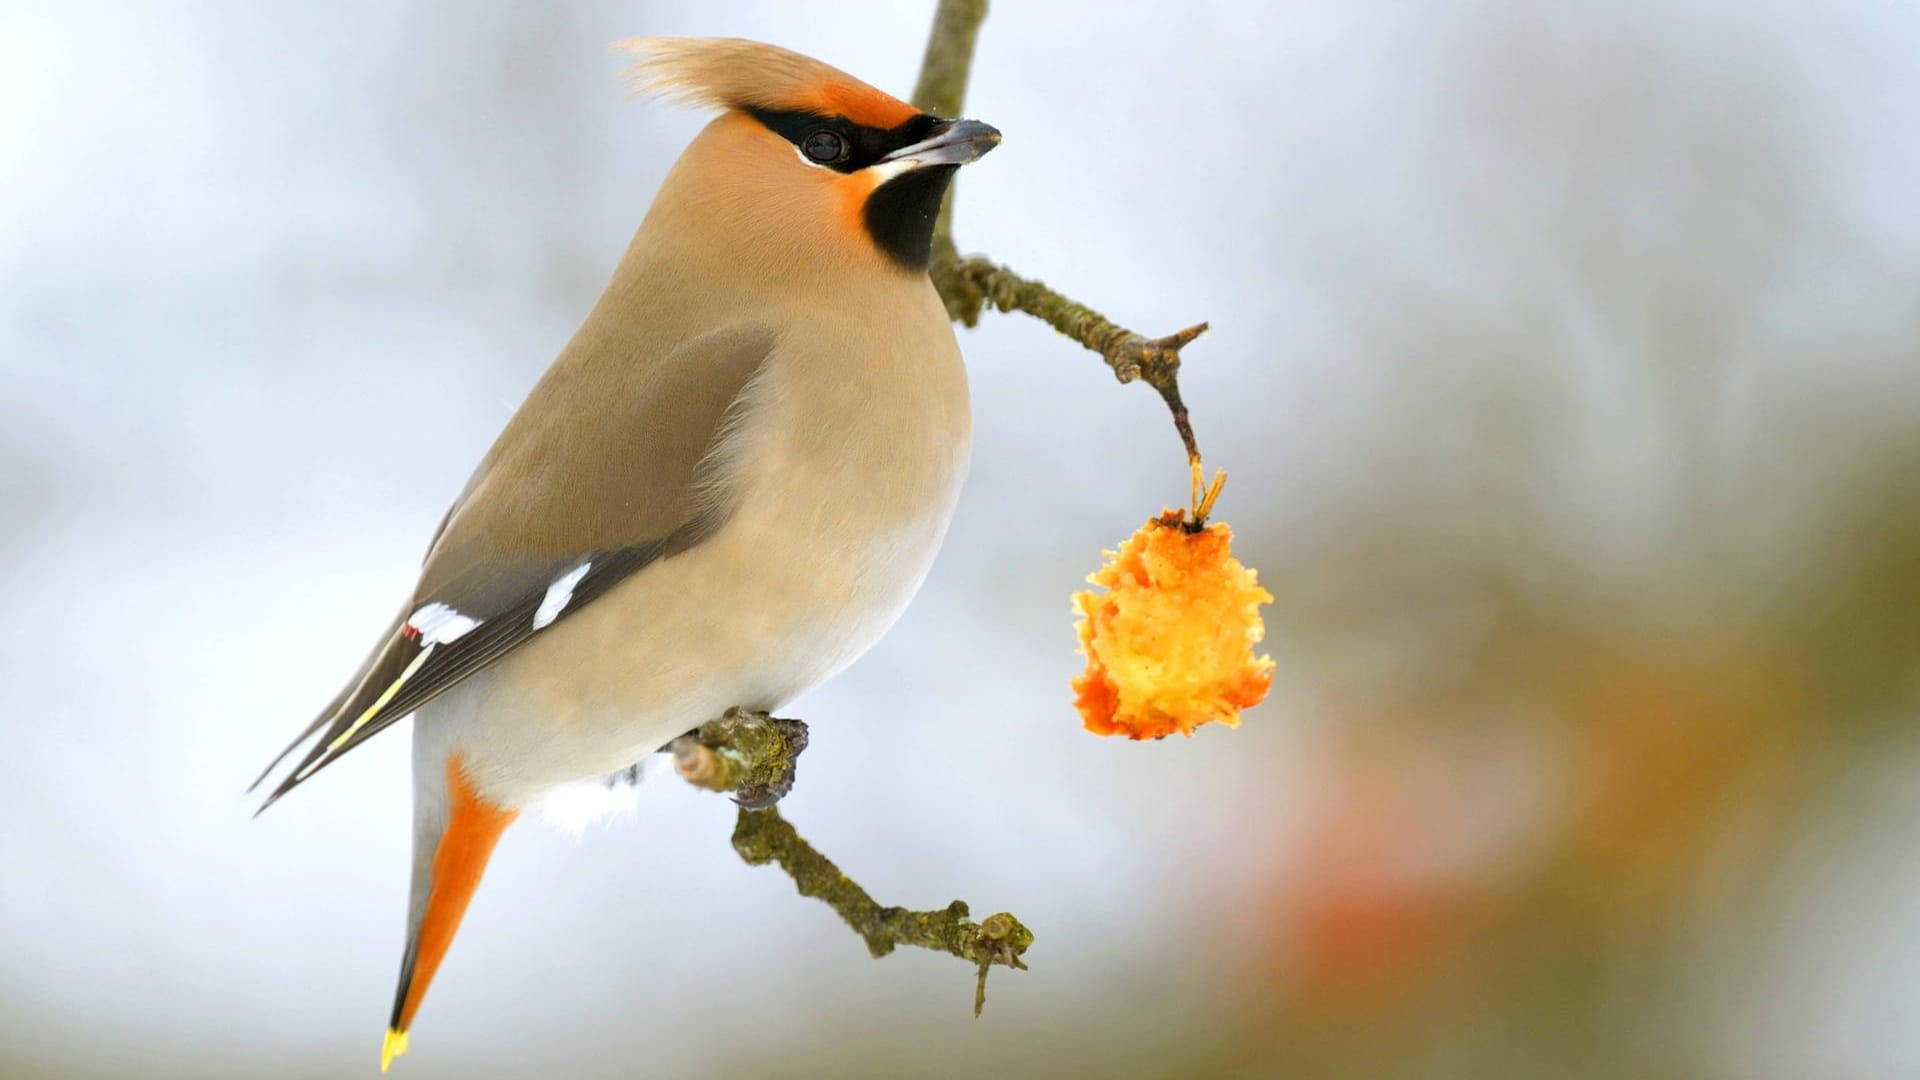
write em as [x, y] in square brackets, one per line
[432, 625]
[559, 595]
[437, 624]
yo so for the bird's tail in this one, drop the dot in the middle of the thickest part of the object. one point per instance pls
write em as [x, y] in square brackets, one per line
[454, 834]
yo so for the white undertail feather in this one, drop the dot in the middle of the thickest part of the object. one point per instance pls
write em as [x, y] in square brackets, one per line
[575, 807]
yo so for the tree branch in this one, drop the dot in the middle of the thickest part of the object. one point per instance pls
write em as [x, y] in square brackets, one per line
[752, 755]
[947, 64]
[967, 285]
[763, 836]
[971, 283]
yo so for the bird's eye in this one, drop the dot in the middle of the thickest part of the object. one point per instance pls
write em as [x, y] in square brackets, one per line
[823, 146]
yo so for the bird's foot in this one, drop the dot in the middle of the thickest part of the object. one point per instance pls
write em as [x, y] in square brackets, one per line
[750, 754]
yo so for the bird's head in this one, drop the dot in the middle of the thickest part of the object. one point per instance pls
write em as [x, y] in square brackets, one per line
[805, 161]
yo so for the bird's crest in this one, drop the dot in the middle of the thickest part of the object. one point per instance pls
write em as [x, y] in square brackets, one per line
[733, 73]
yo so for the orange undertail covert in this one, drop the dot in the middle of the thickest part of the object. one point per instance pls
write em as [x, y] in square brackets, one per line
[1169, 645]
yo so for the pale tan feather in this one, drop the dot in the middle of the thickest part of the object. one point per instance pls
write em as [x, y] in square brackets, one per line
[733, 73]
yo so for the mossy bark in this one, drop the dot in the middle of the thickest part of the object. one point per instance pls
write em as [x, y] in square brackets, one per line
[752, 755]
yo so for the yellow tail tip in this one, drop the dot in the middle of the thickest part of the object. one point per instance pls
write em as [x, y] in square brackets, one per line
[395, 1046]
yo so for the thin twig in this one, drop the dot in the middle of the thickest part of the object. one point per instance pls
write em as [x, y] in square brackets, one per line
[763, 836]
[968, 285]
[752, 755]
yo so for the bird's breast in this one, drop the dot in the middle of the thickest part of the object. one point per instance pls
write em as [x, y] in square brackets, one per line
[847, 463]
[850, 491]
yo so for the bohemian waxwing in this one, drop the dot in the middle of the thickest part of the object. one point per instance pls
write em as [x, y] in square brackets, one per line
[724, 490]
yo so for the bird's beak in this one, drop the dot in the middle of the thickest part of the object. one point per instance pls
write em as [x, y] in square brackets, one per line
[956, 142]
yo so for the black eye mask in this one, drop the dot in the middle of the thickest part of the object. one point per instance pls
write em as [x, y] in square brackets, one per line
[862, 145]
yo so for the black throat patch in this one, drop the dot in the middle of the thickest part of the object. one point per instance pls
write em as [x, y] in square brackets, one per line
[900, 214]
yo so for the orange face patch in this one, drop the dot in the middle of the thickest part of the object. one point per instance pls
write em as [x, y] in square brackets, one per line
[853, 190]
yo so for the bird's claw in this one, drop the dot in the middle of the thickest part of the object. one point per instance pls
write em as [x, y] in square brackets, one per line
[774, 779]
[749, 754]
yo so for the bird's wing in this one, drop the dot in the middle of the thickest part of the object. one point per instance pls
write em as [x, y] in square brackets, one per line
[602, 472]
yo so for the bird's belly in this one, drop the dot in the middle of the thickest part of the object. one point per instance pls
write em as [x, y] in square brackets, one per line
[812, 568]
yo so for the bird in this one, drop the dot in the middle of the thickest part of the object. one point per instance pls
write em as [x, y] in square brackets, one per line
[727, 486]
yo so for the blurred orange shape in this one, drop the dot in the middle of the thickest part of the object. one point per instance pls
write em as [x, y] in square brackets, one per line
[1169, 644]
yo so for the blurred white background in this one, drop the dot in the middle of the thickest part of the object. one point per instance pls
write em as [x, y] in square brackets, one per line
[1566, 361]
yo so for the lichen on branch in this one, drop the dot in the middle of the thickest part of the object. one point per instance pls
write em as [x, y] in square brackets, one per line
[752, 755]
[748, 754]
[763, 836]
